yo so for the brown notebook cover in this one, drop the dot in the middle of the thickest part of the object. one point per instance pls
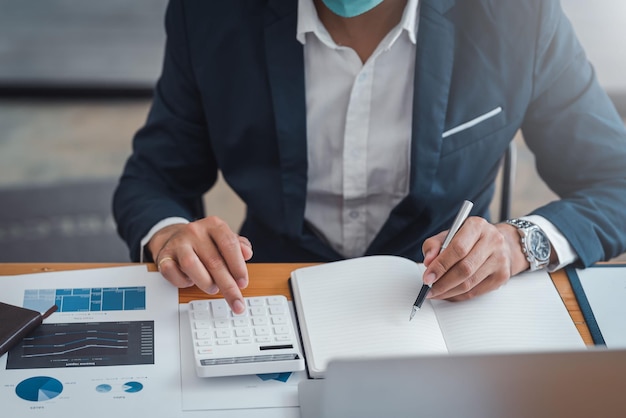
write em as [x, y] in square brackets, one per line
[16, 322]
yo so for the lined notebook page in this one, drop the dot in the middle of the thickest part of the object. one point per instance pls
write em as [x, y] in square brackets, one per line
[526, 314]
[360, 308]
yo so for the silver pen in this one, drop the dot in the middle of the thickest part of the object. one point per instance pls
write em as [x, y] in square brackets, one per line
[456, 225]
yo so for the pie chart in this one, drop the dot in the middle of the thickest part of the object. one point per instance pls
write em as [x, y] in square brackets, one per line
[132, 387]
[104, 388]
[39, 389]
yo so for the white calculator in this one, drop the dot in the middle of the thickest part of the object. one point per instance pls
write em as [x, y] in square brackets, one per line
[260, 340]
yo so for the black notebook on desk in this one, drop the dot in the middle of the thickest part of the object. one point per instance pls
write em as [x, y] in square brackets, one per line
[16, 322]
[601, 294]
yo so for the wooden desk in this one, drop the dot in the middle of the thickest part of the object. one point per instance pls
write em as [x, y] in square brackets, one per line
[266, 279]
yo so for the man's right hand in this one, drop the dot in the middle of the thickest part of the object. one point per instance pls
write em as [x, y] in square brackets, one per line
[206, 253]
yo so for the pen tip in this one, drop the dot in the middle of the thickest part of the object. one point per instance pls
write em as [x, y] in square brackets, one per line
[412, 313]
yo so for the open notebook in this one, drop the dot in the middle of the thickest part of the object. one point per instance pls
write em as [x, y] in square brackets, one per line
[360, 308]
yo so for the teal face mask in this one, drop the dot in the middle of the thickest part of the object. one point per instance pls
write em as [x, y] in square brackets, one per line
[351, 8]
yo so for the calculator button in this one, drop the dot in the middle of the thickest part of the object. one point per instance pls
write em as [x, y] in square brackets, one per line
[258, 311]
[222, 323]
[263, 339]
[282, 338]
[219, 308]
[275, 300]
[281, 329]
[279, 320]
[204, 343]
[261, 331]
[200, 305]
[261, 320]
[203, 334]
[202, 315]
[202, 324]
[277, 310]
[222, 333]
[256, 302]
[205, 350]
[224, 341]
[242, 332]
[241, 322]
[244, 340]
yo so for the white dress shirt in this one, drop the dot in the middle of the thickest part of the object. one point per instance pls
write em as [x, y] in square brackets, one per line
[359, 118]
[358, 147]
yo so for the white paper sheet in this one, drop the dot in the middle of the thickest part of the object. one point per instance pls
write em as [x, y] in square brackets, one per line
[605, 288]
[248, 396]
[112, 350]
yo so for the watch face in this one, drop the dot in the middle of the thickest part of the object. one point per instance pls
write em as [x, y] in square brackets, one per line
[539, 245]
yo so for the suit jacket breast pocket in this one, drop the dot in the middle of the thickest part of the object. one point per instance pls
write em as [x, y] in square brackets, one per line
[472, 129]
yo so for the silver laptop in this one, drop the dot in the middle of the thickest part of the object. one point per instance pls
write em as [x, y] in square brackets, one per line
[557, 384]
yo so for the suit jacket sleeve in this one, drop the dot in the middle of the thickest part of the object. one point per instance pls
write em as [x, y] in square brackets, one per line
[579, 143]
[172, 164]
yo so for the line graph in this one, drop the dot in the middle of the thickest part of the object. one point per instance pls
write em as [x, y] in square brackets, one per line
[84, 345]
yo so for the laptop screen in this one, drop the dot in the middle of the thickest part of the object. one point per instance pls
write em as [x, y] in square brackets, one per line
[572, 384]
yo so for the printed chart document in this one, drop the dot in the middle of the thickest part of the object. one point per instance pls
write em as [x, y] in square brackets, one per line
[111, 349]
[360, 308]
[604, 290]
[265, 395]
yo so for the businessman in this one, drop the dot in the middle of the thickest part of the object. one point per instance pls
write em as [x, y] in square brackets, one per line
[358, 127]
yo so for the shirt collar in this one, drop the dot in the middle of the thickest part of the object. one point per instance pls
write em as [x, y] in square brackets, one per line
[309, 22]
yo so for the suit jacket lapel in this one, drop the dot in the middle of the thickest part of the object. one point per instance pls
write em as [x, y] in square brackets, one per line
[285, 66]
[433, 72]
[285, 69]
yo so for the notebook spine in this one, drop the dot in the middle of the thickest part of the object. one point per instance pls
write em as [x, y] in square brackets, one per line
[8, 341]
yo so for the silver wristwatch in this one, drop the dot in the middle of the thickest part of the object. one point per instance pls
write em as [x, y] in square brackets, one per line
[535, 243]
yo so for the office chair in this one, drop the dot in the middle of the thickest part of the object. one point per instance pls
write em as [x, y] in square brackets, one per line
[63, 222]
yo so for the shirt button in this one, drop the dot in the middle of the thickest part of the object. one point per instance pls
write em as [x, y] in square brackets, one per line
[354, 214]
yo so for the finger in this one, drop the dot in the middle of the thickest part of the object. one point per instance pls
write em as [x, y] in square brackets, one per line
[485, 260]
[432, 246]
[232, 262]
[246, 248]
[460, 278]
[465, 286]
[169, 269]
[460, 246]
[218, 270]
[192, 266]
[220, 251]
[489, 284]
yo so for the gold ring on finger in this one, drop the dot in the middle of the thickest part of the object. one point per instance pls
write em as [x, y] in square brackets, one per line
[164, 259]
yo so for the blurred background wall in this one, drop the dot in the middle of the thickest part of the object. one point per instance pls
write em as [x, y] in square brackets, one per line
[75, 84]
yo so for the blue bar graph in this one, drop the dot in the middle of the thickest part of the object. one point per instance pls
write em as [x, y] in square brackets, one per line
[87, 299]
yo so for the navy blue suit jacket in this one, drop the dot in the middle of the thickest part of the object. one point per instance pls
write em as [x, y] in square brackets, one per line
[232, 98]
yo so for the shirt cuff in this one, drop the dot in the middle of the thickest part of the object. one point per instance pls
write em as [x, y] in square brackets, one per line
[156, 228]
[565, 254]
